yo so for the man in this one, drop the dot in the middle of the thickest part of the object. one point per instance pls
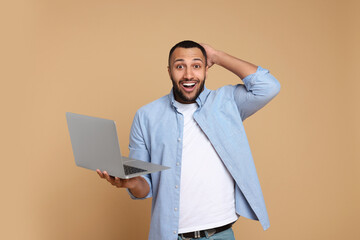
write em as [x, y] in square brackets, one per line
[199, 134]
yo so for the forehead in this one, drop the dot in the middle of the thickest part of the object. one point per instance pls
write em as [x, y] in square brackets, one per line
[186, 54]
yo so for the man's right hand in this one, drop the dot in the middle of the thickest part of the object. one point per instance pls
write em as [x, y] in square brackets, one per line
[137, 185]
[117, 182]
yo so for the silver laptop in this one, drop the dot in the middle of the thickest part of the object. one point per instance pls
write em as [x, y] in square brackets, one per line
[95, 146]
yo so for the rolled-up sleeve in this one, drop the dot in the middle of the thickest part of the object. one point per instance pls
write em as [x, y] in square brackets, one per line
[258, 89]
[138, 150]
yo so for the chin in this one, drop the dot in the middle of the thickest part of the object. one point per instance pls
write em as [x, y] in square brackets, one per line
[188, 98]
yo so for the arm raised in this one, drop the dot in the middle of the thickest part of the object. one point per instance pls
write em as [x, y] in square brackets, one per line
[235, 65]
[259, 85]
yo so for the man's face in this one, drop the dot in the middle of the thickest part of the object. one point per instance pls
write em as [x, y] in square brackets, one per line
[187, 71]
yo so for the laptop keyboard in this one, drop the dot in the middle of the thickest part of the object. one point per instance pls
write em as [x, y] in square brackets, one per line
[131, 170]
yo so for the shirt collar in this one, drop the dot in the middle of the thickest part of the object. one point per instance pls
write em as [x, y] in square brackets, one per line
[200, 99]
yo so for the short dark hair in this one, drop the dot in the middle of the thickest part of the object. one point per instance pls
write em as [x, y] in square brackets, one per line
[188, 44]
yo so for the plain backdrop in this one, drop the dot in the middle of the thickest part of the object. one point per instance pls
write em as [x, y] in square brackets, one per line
[108, 58]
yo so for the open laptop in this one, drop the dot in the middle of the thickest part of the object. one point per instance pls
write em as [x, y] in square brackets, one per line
[95, 146]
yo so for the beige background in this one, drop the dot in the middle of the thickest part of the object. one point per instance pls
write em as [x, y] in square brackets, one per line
[107, 58]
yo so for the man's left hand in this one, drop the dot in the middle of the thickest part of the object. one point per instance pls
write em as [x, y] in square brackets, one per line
[211, 54]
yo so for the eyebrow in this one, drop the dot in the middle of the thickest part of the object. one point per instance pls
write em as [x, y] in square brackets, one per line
[195, 59]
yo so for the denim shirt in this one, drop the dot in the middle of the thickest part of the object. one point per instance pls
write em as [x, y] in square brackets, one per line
[157, 133]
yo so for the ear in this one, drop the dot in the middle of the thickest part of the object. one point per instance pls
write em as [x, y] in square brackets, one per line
[169, 72]
[206, 70]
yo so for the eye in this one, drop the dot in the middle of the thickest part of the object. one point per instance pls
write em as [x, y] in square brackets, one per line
[179, 66]
[197, 66]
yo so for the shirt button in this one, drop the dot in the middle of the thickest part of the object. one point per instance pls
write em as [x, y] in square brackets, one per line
[177, 164]
[175, 209]
[174, 232]
[179, 139]
[176, 186]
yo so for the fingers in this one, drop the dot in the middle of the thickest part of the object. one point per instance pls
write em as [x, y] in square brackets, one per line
[115, 181]
[105, 175]
[210, 52]
[108, 177]
[118, 182]
[100, 173]
[204, 45]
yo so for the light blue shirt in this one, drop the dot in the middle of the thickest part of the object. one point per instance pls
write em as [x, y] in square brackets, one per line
[157, 133]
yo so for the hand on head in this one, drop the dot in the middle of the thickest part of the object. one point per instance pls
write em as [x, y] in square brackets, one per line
[211, 54]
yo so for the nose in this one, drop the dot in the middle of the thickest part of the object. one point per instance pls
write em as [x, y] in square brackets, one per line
[188, 74]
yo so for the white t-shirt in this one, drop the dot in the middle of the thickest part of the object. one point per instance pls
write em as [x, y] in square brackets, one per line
[206, 189]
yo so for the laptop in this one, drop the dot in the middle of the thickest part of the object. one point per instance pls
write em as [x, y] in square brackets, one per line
[95, 146]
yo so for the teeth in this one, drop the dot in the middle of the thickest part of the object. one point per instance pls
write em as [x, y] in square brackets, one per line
[189, 84]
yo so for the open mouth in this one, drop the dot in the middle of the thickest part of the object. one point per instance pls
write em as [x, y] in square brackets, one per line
[188, 86]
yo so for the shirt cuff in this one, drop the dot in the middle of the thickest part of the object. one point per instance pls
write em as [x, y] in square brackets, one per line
[249, 80]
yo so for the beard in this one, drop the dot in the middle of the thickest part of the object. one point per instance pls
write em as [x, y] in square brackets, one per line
[181, 96]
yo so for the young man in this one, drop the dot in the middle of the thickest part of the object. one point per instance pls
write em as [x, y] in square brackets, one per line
[199, 134]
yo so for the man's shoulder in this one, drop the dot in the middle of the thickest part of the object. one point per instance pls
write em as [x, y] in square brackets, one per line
[155, 106]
